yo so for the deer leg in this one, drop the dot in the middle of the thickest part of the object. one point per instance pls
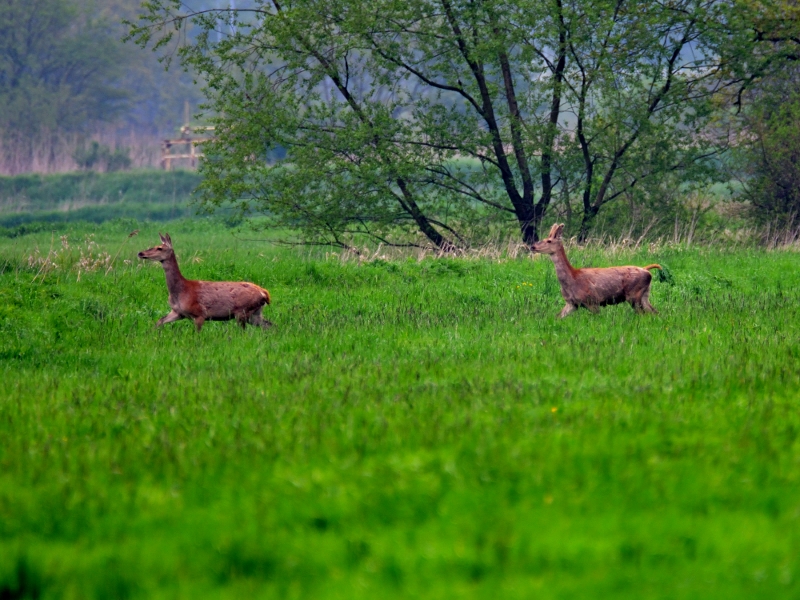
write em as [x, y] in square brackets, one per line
[646, 306]
[635, 299]
[258, 319]
[641, 305]
[169, 318]
[198, 322]
[566, 310]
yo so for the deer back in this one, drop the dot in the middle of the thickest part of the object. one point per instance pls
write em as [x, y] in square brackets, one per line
[223, 298]
[608, 285]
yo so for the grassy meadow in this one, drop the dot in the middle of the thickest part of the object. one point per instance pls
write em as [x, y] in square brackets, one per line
[411, 427]
[45, 202]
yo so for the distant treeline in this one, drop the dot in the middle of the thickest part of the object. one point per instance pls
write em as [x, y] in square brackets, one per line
[68, 82]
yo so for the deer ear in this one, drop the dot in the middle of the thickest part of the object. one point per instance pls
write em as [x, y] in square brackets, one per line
[557, 231]
[162, 237]
[553, 231]
[167, 239]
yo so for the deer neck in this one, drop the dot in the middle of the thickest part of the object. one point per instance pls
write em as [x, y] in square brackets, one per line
[564, 271]
[175, 280]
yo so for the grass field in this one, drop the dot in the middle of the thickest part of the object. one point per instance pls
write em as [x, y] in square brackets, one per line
[407, 429]
[28, 201]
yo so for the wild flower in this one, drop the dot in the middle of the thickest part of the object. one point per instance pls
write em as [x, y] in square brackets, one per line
[88, 258]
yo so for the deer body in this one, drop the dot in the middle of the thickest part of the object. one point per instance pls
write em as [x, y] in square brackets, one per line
[204, 301]
[592, 288]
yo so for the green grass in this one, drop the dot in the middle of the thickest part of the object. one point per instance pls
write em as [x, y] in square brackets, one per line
[96, 197]
[407, 429]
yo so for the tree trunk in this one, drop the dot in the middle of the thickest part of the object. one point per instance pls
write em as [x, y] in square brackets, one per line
[425, 226]
[528, 230]
[589, 213]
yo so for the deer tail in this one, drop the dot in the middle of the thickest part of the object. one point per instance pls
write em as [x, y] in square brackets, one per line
[265, 295]
[653, 266]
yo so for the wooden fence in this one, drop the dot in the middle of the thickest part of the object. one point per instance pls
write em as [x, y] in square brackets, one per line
[186, 148]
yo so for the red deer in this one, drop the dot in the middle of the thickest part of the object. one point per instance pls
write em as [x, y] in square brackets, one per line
[204, 301]
[592, 288]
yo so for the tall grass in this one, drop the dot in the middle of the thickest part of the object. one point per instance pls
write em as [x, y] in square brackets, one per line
[411, 427]
[54, 152]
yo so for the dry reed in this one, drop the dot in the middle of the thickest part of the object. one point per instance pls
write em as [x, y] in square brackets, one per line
[53, 152]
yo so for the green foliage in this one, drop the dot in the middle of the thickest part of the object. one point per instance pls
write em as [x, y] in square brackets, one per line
[664, 275]
[12, 225]
[766, 154]
[43, 192]
[407, 429]
[448, 118]
[66, 75]
[58, 68]
[769, 156]
[96, 197]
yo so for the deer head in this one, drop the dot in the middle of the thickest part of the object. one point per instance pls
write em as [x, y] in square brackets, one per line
[161, 252]
[552, 242]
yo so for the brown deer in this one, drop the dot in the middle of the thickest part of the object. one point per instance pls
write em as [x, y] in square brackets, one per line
[592, 288]
[204, 301]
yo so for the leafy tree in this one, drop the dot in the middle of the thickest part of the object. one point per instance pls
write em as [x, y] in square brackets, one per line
[767, 153]
[158, 97]
[774, 29]
[58, 67]
[403, 117]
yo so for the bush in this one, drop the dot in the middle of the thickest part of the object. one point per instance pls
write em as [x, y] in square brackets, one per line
[100, 157]
[770, 159]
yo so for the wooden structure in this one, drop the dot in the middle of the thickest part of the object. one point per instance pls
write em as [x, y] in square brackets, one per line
[185, 148]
